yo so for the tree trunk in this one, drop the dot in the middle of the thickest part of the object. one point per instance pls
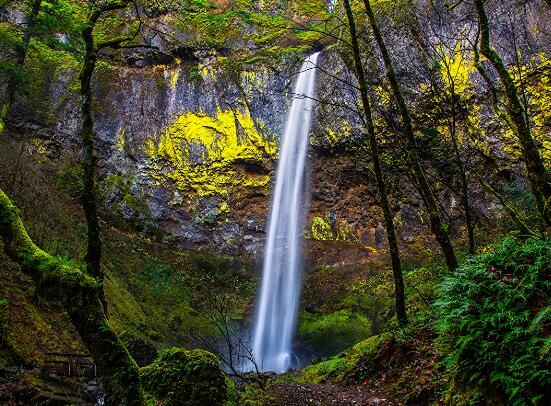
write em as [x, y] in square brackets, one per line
[465, 197]
[461, 167]
[438, 226]
[374, 149]
[539, 177]
[522, 227]
[20, 60]
[78, 293]
[90, 158]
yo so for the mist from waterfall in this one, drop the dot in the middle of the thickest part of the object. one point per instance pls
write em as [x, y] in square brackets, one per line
[281, 276]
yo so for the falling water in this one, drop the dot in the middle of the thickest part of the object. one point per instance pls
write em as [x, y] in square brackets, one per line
[281, 275]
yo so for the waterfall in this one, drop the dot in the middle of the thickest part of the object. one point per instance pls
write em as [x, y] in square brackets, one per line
[281, 276]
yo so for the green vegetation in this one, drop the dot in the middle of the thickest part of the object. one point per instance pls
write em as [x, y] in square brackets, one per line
[450, 150]
[495, 318]
[180, 377]
[335, 368]
[330, 333]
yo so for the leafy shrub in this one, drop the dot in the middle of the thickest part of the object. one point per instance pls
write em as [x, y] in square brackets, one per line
[495, 320]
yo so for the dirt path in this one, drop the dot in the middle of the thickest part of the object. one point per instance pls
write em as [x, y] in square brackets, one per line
[290, 394]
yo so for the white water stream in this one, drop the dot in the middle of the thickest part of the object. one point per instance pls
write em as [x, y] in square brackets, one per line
[281, 276]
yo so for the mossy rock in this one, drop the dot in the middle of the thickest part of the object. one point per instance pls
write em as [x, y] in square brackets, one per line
[180, 377]
[330, 333]
[337, 368]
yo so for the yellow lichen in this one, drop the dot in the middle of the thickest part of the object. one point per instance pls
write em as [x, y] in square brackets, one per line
[40, 145]
[224, 207]
[200, 151]
[384, 94]
[539, 94]
[149, 147]
[334, 137]
[252, 80]
[455, 69]
[122, 140]
[173, 78]
[535, 77]
[327, 228]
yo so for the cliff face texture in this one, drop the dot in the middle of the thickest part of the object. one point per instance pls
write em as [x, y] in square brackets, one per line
[188, 147]
[188, 151]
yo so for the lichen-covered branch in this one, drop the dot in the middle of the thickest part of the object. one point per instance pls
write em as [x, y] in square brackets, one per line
[78, 292]
[438, 226]
[539, 177]
[90, 155]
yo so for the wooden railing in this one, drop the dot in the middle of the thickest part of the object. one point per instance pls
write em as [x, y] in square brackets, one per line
[70, 364]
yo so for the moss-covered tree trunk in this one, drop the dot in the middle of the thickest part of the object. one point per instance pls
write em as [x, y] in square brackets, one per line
[90, 156]
[438, 227]
[381, 186]
[78, 293]
[19, 61]
[539, 177]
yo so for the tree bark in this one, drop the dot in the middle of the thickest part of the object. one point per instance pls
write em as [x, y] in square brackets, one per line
[90, 158]
[90, 155]
[461, 167]
[438, 226]
[78, 293]
[20, 60]
[522, 227]
[464, 195]
[539, 177]
[381, 186]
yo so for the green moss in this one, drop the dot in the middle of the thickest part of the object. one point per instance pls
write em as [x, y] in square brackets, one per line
[180, 377]
[44, 66]
[321, 371]
[336, 368]
[160, 295]
[331, 333]
[122, 187]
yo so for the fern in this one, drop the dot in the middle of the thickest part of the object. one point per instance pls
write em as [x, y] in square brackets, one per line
[495, 320]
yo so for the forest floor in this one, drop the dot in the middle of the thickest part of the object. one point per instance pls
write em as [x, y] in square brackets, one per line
[397, 368]
[328, 394]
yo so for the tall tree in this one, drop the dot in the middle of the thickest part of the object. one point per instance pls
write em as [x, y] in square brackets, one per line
[450, 76]
[438, 226]
[379, 176]
[539, 176]
[21, 53]
[90, 155]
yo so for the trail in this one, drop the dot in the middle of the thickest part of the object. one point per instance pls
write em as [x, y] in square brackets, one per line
[290, 394]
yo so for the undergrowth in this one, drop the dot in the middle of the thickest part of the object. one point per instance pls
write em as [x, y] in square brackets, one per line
[495, 321]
